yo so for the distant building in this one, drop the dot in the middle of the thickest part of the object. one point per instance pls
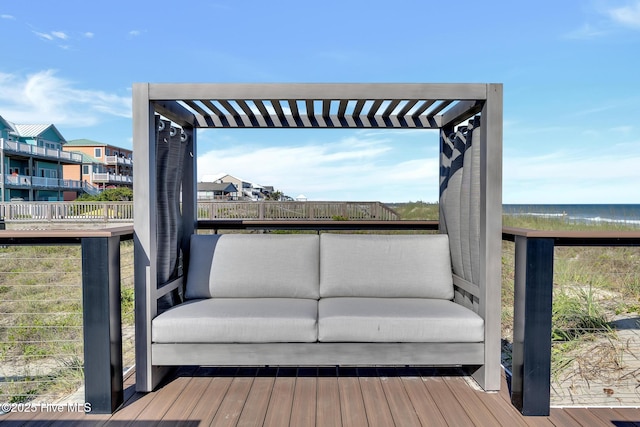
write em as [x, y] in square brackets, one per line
[103, 165]
[32, 158]
[217, 191]
[246, 190]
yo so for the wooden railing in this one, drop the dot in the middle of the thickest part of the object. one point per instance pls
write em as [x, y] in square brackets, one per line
[123, 211]
[296, 210]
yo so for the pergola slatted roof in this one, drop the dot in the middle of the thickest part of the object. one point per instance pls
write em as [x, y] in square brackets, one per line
[320, 105]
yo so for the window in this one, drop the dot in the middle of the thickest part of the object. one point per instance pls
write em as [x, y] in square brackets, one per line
[97, 153]
[107, 152]
[85, 169]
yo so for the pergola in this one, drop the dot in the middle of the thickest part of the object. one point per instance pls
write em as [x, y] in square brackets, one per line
[468, 116]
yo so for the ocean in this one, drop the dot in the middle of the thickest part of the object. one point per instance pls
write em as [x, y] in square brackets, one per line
[614, 213]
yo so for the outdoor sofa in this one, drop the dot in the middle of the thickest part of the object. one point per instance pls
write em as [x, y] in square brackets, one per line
[328, 299]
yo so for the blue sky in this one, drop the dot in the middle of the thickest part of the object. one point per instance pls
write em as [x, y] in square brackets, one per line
[570, 69]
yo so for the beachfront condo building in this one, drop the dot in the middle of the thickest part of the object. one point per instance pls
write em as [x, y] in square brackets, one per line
[32, 160]
[103, 165]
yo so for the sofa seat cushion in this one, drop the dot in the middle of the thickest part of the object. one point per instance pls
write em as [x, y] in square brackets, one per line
[254, 266]
[238, 320]
[385, 266]
[397, 320]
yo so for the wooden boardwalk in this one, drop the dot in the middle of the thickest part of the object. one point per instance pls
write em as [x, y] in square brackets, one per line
[322, 397]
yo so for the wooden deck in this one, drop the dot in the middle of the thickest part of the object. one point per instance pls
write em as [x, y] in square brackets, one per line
[322, 397]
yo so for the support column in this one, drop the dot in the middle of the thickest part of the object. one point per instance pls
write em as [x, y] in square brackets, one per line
[102, 323]
[531, 359]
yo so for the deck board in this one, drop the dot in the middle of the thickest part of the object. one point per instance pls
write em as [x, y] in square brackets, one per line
[323, 397]
[303, 410]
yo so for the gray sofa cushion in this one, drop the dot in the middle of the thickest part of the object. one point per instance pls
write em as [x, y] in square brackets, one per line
[395, 266]
[396, 320]
[238, 320]
[253, 266]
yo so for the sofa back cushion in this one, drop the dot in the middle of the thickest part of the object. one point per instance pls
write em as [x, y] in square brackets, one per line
[385, 266]
[253, 266]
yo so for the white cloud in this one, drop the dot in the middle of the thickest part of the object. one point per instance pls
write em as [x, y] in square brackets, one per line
[586, 32]
[351, 168]
[59, 34]
[570, 177]
[43, 36]
[135, 33]
[628, 15]
[8, 17]
[89, 34]
[44, 98]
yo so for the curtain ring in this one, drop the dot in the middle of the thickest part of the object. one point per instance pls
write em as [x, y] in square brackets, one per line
[173, 131]
[161, 125]
[183, 136]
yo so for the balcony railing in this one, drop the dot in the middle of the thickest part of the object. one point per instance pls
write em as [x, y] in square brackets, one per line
[34, 150]
[117, 160]
[112, 178]
[26, 181]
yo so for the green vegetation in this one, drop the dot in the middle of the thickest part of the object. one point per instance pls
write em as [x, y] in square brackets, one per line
[41, 343]
[120, 194]
[417, 210]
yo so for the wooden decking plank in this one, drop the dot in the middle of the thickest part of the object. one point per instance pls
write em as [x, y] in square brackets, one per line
[162, 401]
[426, 409]
[279, 410]
[402, 410]
[446, 402]
[585, 417]
[353, 412]
[629, 414]
[207, 406]
[608, 415]
[233, 402]
[375, 402]
[255, 409]
[483, 408]
[328, 399]
[303, 410]
[187, 400]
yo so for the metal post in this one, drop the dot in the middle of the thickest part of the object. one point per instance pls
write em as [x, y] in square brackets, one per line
[531, 360]
[102, 323]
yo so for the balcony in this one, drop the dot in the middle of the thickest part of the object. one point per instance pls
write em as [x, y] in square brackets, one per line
[26, 181]
[29, 150]
[310, 396]
[112, 178]
[117, 160]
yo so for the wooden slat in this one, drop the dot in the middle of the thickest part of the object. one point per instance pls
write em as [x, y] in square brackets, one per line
[375, 402]
[209, 402]
[279, 411]
[399, 403]
[303, 411]
[233, 402]
[255, 409]
[446, 402]
[328, 402]
[426, 408]
[586, 418]
[352, 407]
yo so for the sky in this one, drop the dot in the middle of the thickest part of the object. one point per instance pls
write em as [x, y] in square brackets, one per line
[570, 70]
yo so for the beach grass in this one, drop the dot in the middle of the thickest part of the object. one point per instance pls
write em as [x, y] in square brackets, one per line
[41, 338]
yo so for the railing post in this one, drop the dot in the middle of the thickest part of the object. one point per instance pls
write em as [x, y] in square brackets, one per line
[533, 291]
[101, 314]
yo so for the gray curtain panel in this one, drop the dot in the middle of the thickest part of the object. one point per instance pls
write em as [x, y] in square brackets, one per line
[460, 197]
[171, 152]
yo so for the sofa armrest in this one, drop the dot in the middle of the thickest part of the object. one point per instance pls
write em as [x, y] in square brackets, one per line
[169, 286]
[466, 294]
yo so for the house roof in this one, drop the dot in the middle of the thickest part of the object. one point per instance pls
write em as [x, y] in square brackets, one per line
[35, 130]
[91, 143]
[85, 143]
[225, 187]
